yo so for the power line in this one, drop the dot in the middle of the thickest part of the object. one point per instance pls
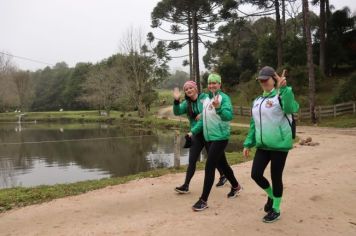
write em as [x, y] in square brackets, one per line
[179, 56]
[27, 59]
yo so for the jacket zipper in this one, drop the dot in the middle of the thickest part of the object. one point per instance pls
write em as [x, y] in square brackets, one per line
[206, 125]
[261, 119]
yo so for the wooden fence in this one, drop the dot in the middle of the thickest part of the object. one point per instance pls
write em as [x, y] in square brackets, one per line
[304, 113]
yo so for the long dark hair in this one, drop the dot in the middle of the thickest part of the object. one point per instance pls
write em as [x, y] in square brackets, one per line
[190, 110]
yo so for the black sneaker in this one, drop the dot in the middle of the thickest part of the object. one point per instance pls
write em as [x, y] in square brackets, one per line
[268, 205]
[182, 189]
[271, 216]
[234, 192]
[200, 205]
[221, 182]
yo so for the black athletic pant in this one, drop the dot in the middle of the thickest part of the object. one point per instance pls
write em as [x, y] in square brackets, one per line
[260, 162]
[216, 158]
[198, 142]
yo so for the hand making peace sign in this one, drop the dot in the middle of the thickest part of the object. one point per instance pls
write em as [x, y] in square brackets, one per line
[281, 80]
[216, 102]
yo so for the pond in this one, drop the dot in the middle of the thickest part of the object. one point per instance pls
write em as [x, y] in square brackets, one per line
[37, 154]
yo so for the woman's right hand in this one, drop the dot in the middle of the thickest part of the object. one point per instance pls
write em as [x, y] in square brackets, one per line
[246, 152]
[176, 93]
[281, 80]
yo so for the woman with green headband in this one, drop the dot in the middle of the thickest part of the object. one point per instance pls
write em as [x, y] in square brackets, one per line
[215, 123]
[192, 107]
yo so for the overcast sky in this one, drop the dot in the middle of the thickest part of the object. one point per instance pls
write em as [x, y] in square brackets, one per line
[77, 30]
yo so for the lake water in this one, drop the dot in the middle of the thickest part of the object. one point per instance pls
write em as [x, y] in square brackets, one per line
[36, 154]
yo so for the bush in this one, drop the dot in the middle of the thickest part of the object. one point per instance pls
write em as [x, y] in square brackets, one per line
[297, 77]
[245, 76]
[347, 91]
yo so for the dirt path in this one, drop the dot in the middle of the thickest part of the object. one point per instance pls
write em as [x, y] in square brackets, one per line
[319, 199]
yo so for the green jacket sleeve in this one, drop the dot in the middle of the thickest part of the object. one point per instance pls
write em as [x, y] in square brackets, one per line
[225, 110]
[289, 104]
[198, 127]
[179, 108]
[250, 140]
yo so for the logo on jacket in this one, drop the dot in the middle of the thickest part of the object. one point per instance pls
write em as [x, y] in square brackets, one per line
[269, 104]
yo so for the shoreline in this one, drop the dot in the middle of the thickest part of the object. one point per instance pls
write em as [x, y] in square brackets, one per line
[17, 197]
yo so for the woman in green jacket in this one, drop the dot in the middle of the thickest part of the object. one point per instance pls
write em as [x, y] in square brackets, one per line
[215, 123]
[193, 107]
[271, 133]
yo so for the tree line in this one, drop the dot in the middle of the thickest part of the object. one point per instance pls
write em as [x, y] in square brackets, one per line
[124, 81]
[280, 33]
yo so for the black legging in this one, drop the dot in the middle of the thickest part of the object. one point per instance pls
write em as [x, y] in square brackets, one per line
[216, 158]
[260, 162]
[198, 142]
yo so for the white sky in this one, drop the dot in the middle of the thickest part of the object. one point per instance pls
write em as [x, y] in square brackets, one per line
[79, 30]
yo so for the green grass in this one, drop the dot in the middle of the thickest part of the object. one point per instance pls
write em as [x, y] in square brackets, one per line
[56, 116]
[165, 97]
[69, 116]
[346, 121]
[20, 196]
[241, 119]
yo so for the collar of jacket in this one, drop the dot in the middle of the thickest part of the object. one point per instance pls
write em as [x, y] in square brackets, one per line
[211, 94]
[189, 99]
[272, 93]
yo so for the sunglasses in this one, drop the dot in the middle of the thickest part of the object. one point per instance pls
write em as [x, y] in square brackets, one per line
[263, 81]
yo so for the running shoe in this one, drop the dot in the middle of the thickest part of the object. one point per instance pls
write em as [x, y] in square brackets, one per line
[221, 182]
[182, 189]
[200, 205]
[234, 192]
[271, 216]
[268, 205]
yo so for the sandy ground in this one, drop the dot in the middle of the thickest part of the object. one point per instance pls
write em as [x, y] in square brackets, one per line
[319, 199]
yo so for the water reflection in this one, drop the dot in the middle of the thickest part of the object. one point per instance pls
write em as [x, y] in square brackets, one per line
[36, 154]
[52, 153]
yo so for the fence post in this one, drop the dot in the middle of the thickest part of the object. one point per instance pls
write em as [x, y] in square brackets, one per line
[319, 113]
[176, 160]
[242, 111]
[334, 110]
[354, 107]
[300, 114]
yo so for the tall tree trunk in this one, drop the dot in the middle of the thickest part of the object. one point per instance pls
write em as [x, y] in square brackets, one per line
[310, 64]
[278, 35]
[141, 109]
[190, 47]
[322, 37]
[327, 18]
[195, 49]
[284, 19]
[327, 10]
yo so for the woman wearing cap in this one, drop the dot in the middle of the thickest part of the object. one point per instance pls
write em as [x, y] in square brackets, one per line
[215, 123]
[270, 132]
[193, 107]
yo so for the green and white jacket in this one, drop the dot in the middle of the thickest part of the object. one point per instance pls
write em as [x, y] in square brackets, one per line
[269, 127]
[215, 122]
